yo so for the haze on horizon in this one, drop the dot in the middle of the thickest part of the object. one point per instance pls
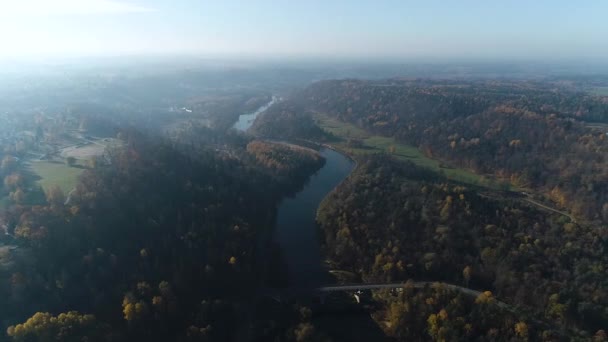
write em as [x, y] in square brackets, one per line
[556, 30]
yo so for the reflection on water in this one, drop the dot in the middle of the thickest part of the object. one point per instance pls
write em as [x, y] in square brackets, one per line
[296, 230]
[246, 120]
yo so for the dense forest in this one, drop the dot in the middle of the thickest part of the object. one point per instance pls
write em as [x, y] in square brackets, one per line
[287, 120]
[533, 135]
[439, 314]
[393, 221]
[156, 243]
[287, 164]
[224, 109]
[168, 238]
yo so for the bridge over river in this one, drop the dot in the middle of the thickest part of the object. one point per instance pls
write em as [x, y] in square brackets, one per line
[321, 291]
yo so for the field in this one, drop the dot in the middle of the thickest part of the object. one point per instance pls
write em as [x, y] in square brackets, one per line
[83, 152]
[88, 149]
[602, 91]
[379, 144]
[56, 174]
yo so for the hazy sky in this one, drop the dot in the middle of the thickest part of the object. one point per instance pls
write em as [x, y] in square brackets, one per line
[309, 28]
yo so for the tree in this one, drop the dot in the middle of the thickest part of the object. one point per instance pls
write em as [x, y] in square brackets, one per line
[18, 196]
[600, 336]
[555, 309]
[55, 196]
[71, 161]
[304, 332]
[133, 309]
[433, 326]
[13, 181]
[93, 162]
[232, 261]
[485, 297]
[8, 164]
[446, 209]
[66, 327]
[521, 330]
[466, 274]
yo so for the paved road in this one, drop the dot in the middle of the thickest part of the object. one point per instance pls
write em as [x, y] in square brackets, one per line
[424, 284]
[290, 293]
[528, 198]
[416, 285]
[380, 286]
[538, 204]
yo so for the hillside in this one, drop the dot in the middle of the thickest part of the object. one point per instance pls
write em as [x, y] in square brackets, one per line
[533, 136]
[392, 221]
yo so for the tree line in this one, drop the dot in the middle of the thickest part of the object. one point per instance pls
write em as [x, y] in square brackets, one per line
[157, 244]
[393, 221]
[532, 135]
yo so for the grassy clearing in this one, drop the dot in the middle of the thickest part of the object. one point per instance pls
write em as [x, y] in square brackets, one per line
[378, 144]
[56, 174]
[601, 91]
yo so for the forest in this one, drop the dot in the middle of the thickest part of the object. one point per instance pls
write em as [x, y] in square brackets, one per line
[155, 243]
[536, 136]
[287, 120]
[167, 237]
[393, 221]
[286, 163]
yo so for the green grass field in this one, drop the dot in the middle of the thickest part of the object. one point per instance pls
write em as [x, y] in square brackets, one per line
[56, 174]
[602, 91]
[379, 144]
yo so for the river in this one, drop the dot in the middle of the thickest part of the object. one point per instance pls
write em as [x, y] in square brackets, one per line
[296, 228]
[246, 120]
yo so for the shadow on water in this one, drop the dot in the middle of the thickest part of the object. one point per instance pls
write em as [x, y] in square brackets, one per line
[296, 230]
[349, 326]
[296, 263]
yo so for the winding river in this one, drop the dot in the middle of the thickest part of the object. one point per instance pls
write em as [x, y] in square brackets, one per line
[246, 120]
[296, 227]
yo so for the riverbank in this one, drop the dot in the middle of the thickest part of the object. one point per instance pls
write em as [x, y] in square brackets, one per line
[358, 142]
[296, 227]
[245, 121]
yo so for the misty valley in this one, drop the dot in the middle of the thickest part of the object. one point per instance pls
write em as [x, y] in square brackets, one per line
[319, 203]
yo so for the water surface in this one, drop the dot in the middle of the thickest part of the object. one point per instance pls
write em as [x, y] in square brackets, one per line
[246, 120]
[296, 229]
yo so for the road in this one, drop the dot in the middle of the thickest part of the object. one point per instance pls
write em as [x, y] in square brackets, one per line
[381, 286]
[320, 291]
[416, 285]
[528, 198]
[538, 204]
[425, 284]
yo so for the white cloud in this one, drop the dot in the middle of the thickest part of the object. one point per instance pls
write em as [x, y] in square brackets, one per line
[11, 8]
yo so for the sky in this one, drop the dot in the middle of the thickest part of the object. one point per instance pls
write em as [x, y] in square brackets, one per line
[354, 29]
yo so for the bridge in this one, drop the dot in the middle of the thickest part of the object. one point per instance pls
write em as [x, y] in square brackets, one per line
[322, 291]
[381, 286]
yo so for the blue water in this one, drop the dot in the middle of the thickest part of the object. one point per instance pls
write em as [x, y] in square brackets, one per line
[296, 229]
[246, 120]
